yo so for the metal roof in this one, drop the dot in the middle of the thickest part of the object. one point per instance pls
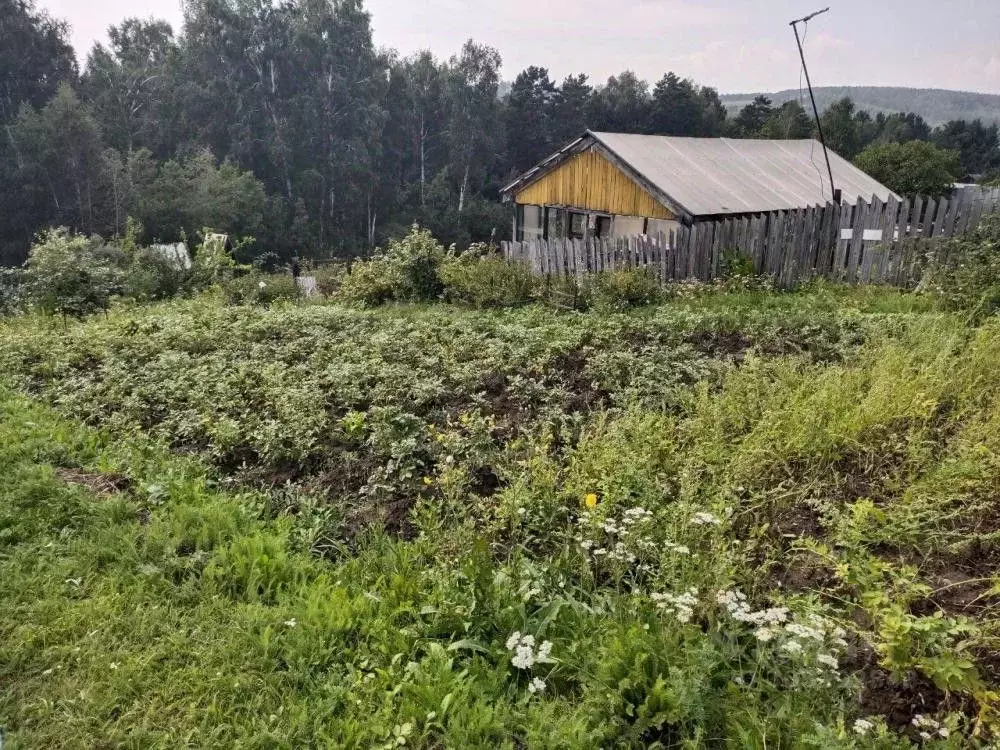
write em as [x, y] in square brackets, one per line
[713, 176]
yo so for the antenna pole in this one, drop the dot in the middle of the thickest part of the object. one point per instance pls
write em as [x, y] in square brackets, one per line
[812, 97]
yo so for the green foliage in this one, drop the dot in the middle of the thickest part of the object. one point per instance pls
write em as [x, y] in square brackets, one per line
[487, 281]
[329, 277]
[261, 289]
[185, 196]
[969, 278]
[268, 262]
[151, 276]
[213, 261]
[11, 290]
[70, 275]
[622, 290]
[407, 489]
[406, 271]
[911, 168]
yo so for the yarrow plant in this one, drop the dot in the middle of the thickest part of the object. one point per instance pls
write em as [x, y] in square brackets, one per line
[814, 642]
[928, 728]
[863, 726]
[680, 605]
[524, 654]
[627, 540]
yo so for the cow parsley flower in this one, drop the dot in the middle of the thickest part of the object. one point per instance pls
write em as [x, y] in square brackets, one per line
[828, 660]
[863, 726]
[536, 685]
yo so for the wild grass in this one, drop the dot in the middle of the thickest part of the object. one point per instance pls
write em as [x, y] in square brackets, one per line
[312, 525]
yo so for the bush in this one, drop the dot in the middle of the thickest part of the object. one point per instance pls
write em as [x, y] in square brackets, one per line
[970, 278]
[406, 271]
[150, 276]
[268, 262]
[911, 168]
[11, 290]
[329, 278]
[261, 289]
[622, 290]
[487, 282]
[372, 283]
[70, 274]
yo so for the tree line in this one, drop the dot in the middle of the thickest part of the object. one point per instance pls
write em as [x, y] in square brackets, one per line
[284, 121]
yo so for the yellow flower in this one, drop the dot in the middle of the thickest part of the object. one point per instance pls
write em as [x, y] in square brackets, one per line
[590, 500]
[428, 481]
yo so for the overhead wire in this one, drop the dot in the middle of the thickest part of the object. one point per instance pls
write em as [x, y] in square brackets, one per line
[812, 141]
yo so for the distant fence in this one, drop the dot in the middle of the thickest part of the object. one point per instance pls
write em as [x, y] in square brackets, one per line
[871, 242]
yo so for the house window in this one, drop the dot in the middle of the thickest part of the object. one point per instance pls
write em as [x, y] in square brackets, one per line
[529, 223]
[602, 227]
[577, 226]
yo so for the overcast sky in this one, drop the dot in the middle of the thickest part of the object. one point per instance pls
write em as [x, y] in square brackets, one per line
[736, 46]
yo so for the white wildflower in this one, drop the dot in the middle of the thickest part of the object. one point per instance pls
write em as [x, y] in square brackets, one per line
[792, 647]
[523, 649]
[291, 623]
[705, 519]
[764, 634]
[925, 735]
[828, 660]
[544, 652]
[863, 726]
[524, 657]
[262, 285]
[681, 605]
[536, 686]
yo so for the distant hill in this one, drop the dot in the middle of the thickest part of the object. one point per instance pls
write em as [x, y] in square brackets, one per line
[936, 106]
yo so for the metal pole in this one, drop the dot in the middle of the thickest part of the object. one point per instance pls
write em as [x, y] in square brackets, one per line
[812, 97]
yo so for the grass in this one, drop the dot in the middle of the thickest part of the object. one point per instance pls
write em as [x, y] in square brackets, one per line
[313, 525]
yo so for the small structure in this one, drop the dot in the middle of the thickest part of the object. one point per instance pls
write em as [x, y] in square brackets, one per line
[615, 185]
[308, 285]
[176, 254]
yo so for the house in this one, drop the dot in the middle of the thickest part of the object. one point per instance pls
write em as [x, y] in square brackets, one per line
[615, 185]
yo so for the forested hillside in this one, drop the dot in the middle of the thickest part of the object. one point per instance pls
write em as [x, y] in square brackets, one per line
[936, 106]
[289, 124]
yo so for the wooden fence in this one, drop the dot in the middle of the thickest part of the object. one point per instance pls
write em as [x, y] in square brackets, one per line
[871, 242]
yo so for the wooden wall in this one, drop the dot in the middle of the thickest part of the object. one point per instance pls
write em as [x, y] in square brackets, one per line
[589, 181]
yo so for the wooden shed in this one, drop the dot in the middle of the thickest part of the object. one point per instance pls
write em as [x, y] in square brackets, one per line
[616, 185]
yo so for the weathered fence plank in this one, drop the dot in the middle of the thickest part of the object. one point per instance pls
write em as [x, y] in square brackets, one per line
[872, 242]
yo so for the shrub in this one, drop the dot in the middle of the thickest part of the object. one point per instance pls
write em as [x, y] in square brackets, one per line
[268, 262]
[487, 282]
[622, 290]
[406, 271]
[70, 274]
[372, 282]
[911, 168]
[970, 279]
[329, 278]
[260, 289]
[150, 276]
[11, 290]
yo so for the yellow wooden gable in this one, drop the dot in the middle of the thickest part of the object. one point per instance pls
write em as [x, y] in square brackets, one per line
[589, 181]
